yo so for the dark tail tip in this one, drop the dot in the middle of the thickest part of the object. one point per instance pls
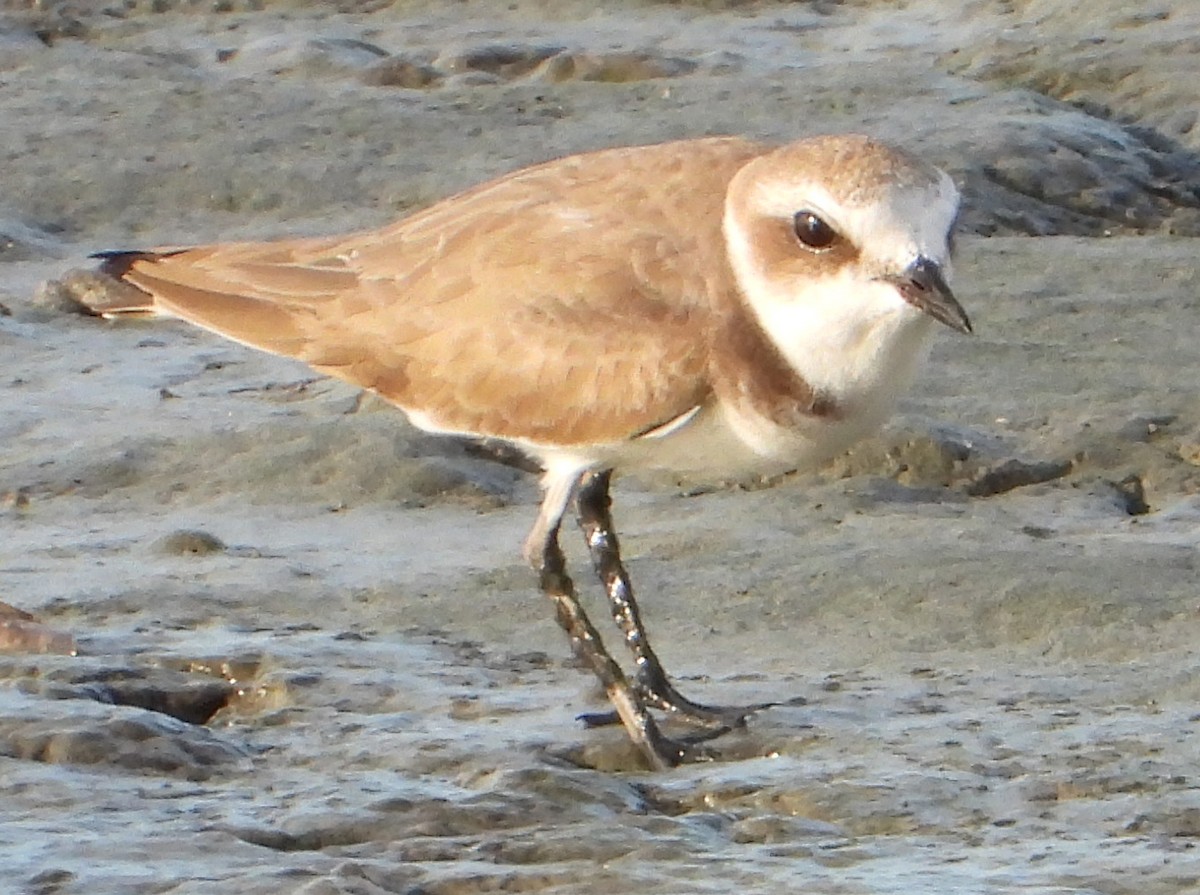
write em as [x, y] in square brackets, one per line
[117, 262]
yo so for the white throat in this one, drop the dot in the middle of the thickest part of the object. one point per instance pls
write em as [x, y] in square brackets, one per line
[852, 338]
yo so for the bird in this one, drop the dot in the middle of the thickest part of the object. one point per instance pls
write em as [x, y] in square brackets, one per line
[715, 306]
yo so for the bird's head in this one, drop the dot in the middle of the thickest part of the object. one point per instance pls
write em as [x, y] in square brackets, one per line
[843, 233]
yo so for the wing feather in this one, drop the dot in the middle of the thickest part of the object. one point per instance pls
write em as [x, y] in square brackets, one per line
[563, 304]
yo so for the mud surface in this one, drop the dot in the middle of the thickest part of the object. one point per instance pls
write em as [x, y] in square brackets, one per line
[261, 636]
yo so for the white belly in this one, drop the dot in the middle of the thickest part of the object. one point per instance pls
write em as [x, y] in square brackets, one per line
[720, 443]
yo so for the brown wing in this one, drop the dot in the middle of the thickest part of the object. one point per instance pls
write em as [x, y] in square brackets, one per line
[562, 304]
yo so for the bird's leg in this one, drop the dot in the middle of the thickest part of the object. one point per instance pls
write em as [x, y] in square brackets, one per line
[659, 750]
[595, 518]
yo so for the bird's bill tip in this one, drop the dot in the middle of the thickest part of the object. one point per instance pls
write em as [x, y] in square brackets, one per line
[924, 286]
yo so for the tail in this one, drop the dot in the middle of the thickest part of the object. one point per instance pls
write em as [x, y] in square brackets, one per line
[118, 262]
[106, 292]
[258, 294]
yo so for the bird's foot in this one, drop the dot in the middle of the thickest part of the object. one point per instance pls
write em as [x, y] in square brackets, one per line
[723, 718]
[662, 695]
[658, 691]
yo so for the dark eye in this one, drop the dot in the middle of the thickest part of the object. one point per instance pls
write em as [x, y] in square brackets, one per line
[813, 231]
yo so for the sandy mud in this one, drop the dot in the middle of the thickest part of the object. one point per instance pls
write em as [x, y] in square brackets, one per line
[260, 636]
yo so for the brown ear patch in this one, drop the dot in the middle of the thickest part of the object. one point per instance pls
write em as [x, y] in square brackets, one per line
[750, 370]
[784, 257]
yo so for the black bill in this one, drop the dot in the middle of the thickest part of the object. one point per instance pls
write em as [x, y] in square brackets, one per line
[923, 286]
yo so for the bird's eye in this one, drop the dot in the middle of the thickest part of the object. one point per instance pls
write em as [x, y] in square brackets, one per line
[813, 231]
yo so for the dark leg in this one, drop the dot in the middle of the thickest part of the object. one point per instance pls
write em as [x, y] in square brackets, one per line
[660, 751]
[653, 685]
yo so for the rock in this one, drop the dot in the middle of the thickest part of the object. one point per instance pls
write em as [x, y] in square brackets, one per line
[12, 613]
[21, 632]
[125, 738]
[1017, 474]
[288, 55]
[1071, 173]
[19, 636]
[1131, 494]
[402, 71]
[190, 542]
[914, 460]
[190, 698]
[1146, 428]
[507, 61]
[613, 68]
[79, 290]
[1102, 75]
[191, 701]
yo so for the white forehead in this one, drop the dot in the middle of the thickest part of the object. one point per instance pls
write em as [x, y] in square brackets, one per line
[891, 204]
[891, 222]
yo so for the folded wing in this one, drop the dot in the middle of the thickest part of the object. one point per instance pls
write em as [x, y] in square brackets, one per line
[559, 305]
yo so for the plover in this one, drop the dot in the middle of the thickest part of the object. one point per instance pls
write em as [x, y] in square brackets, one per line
[712, 305]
